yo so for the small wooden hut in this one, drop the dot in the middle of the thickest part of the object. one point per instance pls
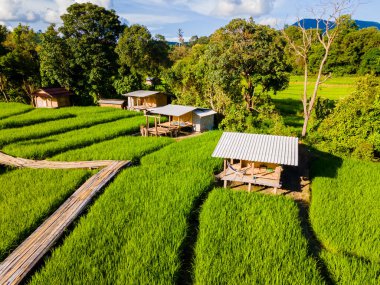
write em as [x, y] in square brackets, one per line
[144, 99]
[113, 103]
[255, 158]
[52, 97]
[181, 119]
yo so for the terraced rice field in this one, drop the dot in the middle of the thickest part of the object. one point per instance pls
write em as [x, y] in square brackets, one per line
[163, 221]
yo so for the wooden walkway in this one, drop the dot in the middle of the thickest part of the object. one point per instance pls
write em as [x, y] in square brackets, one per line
[21, 261]
[29, 163]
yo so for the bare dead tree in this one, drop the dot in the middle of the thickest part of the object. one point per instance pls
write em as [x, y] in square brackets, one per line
[330, 15]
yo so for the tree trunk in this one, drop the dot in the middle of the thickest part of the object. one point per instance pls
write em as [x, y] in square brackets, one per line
[305, 122]
[315, 92]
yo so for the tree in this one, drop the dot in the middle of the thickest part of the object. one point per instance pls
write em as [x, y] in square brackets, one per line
[245, 57]
[19, 65]
[91, 33]
[54, 54]
[140, 55]
[325, 38]
[353, 128]
[241, 61]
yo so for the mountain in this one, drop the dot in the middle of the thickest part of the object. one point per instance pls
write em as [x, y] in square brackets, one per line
[312, 24]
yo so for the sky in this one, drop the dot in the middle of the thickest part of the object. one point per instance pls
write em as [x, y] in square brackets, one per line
[165, 17]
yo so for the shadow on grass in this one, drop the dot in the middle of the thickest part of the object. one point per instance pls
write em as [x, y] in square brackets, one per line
[324, 164]
[321, 164]
[291, 110]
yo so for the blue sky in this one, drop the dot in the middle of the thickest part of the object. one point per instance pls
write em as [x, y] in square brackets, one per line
[194, 17]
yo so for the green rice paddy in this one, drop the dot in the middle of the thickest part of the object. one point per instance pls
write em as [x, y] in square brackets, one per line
[160, 222]
[28, 196]
[249, 238]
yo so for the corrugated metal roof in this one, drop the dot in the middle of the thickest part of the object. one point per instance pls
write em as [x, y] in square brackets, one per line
[256, 147]
[172, 110]
[204, 112]
[111, 101]
[141, 93]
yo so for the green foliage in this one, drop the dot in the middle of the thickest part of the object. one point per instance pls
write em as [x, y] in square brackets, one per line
[345, 206]
[140, 55]
[371, 62]
[351, 270]
[45, 147]
[122, 148]
[54, 53]
[12, 109]
[353, 127]
[19, 65]
[249, 238]
[240, 61]
[136, 230]
[84, 117]
[85, 52]
[28, 196]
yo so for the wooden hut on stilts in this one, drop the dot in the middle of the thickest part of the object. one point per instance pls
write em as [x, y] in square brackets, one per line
[255, 158]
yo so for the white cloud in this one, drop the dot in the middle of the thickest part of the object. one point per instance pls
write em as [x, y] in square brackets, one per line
[32, 11]
[12, 10]
[221, 8]
[270, 21]
[147, 19]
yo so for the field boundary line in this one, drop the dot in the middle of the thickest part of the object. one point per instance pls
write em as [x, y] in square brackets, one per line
[22, 260]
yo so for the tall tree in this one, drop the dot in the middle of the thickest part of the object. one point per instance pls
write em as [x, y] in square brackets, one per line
[241, 61]
[330, 13]
[140, 55]
[91, 33]
[54, 57]
[248, 57]
[20, 65]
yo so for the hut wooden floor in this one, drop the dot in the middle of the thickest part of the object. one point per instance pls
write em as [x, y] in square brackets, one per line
[258, 179]
[19, 263]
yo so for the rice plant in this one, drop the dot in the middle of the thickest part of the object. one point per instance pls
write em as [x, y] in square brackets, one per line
[35, 116]
[85, 117]
[135, 231]
[345, 206]
[12, 109]
[250, 238]
[351, 270]
[46, 147]
[121, 148]
[28, 196]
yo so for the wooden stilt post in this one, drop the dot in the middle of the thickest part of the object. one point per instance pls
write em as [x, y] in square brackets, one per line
[249, 187]
[155, 125]
[241, 164]
[147, 126]
[225, 167]
[225, 183]
[275, 190]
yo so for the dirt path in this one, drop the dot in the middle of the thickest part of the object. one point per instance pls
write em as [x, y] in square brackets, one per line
[22, 260]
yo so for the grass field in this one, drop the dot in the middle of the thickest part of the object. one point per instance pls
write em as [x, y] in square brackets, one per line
[11, 109]
[28, 196]
[351, 270]
[288, 102]
[48, 128]
[52, 145]
[249, 238]
[353, 227]
[136, 232]
[121, 148]
[143, 228]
